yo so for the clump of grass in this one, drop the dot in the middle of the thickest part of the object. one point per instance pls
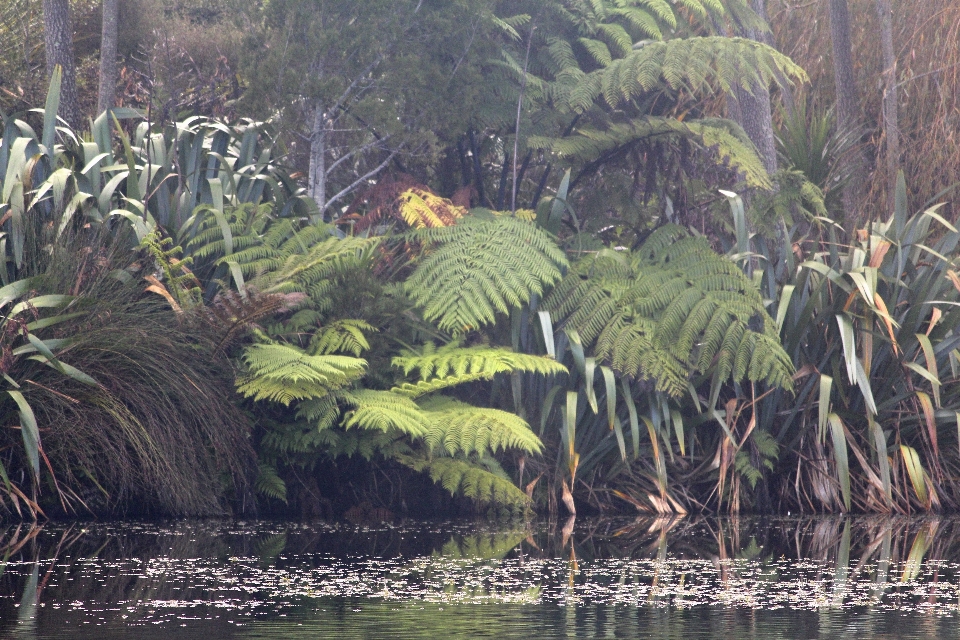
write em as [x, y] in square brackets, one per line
[160, 432]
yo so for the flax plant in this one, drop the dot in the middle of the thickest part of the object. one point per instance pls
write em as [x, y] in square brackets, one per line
[871, 327]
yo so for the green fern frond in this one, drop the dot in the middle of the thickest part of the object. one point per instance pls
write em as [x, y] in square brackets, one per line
[482, 267]
[367, 444]
[423, 387]
[296, 438]
[669, 309]
[454, 360]
[721, 60]
[321, 413]
[269, 483]
[459, 428]
[461, 477]
[341, 336]
[644, 23]
[283, 373]
[597, 50]
[713, 134]
[384, 411]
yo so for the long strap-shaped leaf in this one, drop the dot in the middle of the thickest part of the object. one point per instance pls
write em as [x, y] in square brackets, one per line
[841, 458]
[29, 431]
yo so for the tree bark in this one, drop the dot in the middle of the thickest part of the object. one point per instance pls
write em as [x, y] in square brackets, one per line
[891, 127]
[106, 90]
[848, 119]
[752, 108]
[58, 42]
[317, 177]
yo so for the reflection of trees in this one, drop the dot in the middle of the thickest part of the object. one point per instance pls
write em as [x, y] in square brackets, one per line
[653, 564]
[891, 552]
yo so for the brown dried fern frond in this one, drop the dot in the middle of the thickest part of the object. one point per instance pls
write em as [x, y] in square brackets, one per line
[232, 314]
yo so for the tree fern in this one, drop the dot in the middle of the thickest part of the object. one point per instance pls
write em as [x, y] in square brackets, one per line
[458, 428]
[269, 482]
[462, 477]
[481, 267]
[456, 361]
[698, 65]
[209, 233]
[283, 373]
[672, 308]
[343, 336]
[729, 148]
[384, 411]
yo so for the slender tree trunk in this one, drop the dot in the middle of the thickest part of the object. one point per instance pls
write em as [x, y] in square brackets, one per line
[58, 41]
[108, 55]
[317, 179]
[752, 108]
[848, 119]
[891, 127]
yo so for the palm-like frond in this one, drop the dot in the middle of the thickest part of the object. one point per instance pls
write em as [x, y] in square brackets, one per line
[462, 477]
[384, 411]
[459, 428]
[486, 362]
[283, 373]
[481, 267]
[729, 148]
[672, 307]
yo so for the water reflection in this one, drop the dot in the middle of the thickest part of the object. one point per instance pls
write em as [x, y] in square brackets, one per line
[675, 577]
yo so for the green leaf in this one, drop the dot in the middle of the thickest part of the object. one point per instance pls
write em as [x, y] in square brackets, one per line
[29, 430]
[634, 421]
[841, 458]
[826, 385]
[50, 111]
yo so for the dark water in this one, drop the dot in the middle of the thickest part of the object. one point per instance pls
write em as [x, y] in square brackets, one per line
[652, 578]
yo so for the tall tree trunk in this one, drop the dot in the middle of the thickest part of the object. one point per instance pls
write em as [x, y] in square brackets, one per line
[752, 108]
[108, 55]
[891, 127]
[848, 119]
[317, 178]
[58, 42]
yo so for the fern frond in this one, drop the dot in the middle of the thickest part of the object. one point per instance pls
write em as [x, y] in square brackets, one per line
[715, 135]
[384, 411]
[698, 65]
[367, 444]
[269, 483]
[420, 208]
[283, 373]
[423, 387]
[462, 477]
[669, 309]
[459, 428]
[341, 336]
[486, 362]
[482, 267]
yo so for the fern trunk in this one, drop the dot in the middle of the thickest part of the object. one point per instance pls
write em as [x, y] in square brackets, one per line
[891, 127]
[847, 101]
[108, 55]
[58, 43]
[751, 108]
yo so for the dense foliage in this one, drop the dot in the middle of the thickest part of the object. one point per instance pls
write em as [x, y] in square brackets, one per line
[473, 254]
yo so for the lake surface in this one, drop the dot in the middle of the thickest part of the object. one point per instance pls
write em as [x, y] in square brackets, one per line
[686, 578]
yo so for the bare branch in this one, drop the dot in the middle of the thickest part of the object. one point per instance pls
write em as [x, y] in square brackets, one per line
[355, 151]
[356, 183]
